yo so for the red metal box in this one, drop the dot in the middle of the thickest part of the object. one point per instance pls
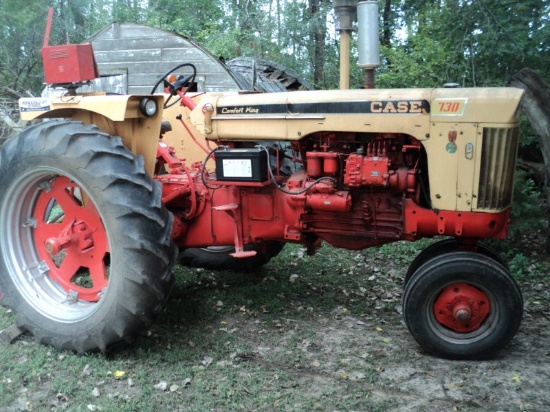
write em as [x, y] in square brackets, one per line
[69, 63]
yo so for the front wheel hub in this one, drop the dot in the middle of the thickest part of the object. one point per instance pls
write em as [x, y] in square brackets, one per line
[462, 307]
[462, 312]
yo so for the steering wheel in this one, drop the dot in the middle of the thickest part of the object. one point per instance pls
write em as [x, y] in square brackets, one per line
[180, 83]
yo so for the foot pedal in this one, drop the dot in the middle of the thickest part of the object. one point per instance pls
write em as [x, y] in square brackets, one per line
[225, 208]
[244, 254]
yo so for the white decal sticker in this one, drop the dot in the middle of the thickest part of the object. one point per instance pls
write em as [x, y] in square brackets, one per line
[34, 105]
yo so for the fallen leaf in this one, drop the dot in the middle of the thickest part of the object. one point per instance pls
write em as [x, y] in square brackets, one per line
[379, 329]
[224, 363]
[118, 374]
[356, 376]
[516, 378]
[230, 331]
[161, 386]
[86, 371]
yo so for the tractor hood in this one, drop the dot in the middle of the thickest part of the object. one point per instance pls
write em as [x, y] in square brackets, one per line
[291, 116]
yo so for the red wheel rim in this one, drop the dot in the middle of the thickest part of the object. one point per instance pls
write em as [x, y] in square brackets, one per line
[71, 239]
[462, 307]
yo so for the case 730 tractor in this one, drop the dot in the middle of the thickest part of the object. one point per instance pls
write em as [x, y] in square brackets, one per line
[94, 206]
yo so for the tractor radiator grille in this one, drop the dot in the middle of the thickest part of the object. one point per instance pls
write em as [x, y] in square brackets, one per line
[498, 160]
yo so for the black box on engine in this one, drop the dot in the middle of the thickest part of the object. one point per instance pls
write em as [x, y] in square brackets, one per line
[241, 165]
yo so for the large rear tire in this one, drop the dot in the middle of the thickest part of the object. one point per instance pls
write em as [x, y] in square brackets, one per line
[462, 305]
[85, 247]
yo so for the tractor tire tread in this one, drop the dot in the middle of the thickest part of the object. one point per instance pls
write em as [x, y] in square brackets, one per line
[145, 249]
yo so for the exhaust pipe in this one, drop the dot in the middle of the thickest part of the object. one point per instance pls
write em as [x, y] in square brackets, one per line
[368, 40]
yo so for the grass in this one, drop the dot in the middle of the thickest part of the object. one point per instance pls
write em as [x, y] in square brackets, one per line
[229, 341]
[205, 347]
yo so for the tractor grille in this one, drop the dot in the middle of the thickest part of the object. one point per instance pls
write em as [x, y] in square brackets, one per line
[498, 160]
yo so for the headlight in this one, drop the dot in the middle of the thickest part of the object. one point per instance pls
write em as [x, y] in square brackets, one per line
[148, 107]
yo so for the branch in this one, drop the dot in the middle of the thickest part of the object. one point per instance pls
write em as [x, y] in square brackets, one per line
[15, 94]
[8, 121]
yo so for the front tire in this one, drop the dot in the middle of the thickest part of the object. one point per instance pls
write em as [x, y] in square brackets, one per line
[446, 246]
[462, 305]
[85, 248]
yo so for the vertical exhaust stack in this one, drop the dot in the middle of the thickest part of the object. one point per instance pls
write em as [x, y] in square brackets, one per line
[345, 11]
[368, 40]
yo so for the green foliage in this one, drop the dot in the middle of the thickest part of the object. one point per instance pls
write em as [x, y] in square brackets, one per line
[474, 43]
[21, 29]
[527, 212]
[527, 228]
[519, 265]
[416, 67]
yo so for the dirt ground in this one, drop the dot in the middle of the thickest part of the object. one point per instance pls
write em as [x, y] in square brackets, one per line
[400, 375]
[518, 379]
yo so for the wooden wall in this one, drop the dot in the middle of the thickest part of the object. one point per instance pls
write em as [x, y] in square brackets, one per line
[145, 53]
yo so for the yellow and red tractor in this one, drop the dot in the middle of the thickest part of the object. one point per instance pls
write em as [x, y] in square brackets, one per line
[94, 207]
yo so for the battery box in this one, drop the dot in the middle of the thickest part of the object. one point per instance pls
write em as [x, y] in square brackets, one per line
[241, 165]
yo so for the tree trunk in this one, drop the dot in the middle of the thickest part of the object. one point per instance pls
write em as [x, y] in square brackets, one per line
[386, 23]
[536, 106]
[318, 33]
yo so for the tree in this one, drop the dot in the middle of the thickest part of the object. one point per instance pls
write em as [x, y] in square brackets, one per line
[536, 106]
[22, 31]
[472, 42]
[317, 22]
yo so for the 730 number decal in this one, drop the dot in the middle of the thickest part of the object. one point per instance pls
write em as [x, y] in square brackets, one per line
[449, 107]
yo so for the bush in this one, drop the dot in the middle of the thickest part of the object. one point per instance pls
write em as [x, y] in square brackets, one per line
[529, 223]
